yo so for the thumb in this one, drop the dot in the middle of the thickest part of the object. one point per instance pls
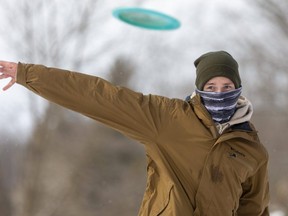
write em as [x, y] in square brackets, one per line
[11, 83]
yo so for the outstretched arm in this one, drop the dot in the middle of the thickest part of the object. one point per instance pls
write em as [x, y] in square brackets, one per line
[8, 70]
[138, 116]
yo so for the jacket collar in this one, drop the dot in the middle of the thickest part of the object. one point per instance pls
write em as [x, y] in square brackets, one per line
[238, 124]
[203, 114]
[243, 114]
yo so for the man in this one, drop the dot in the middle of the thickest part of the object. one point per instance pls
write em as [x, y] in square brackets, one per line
[203, 154]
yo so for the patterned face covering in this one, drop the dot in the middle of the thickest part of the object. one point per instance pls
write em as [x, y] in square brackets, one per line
[220, 105]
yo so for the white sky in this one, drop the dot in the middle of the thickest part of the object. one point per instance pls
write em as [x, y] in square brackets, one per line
[15, 110]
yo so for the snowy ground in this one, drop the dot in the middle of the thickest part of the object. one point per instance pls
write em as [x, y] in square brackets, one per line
[277, 213]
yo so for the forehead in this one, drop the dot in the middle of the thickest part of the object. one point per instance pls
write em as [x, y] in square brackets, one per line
[219, 79]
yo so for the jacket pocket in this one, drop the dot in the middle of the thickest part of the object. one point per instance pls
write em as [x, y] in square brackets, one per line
[163, 203]
[157, 195]
[239, 163]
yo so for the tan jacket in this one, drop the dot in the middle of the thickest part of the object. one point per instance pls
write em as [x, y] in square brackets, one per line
[192, 170]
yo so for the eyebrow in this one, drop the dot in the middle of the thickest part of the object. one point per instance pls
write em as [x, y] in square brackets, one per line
[228, 83]
[212, 83]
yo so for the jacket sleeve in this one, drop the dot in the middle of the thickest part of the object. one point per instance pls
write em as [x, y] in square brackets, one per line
[255, 198]
[136, 115]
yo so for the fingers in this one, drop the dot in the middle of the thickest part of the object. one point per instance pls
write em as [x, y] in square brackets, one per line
[3, 66]
[12, 82]
[2, 63]
[8, 70]
[8, 67]
[4, 76]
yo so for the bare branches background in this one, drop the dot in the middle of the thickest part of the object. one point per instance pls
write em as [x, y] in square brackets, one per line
[70, 165]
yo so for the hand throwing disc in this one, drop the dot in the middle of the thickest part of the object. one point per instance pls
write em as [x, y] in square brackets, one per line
[145, 18]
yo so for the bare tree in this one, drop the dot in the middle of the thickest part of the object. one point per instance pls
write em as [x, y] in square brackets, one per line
[74, 165]
[63, 171]
[263, 51]
[9, 157]
[264, 61]
[54, 33]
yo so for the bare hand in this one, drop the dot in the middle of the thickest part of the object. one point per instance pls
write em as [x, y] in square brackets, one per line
[8, 70]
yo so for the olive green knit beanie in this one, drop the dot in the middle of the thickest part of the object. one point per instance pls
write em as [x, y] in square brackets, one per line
[213, 64]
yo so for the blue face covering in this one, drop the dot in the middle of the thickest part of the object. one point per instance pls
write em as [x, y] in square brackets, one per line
[220, 105]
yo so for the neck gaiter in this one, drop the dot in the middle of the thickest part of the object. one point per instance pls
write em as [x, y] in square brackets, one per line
[220, 105]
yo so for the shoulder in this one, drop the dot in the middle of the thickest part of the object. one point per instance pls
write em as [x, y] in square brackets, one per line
[249, 129]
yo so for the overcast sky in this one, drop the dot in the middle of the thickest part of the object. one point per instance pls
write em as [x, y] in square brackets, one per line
[14, 109]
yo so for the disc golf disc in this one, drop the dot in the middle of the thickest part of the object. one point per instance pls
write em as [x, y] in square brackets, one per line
[145, 18]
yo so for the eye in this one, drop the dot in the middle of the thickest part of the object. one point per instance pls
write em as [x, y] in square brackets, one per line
[209, 88]
[228, 87]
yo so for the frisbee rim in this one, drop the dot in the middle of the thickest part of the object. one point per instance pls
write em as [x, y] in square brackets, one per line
[173, 23]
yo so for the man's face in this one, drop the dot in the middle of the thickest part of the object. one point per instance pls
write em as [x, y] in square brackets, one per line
[219, 84]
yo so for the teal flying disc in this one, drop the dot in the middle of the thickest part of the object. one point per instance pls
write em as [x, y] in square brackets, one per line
[145, 18]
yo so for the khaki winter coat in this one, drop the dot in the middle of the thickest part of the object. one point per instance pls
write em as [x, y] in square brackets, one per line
[191, 169]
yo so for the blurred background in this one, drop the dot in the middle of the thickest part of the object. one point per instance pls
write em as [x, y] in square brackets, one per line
[55, 162]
